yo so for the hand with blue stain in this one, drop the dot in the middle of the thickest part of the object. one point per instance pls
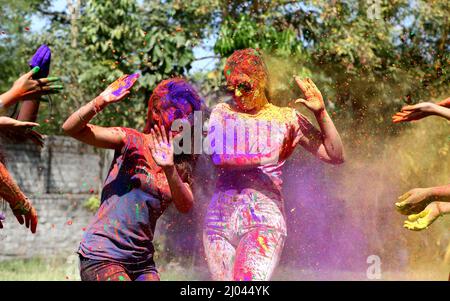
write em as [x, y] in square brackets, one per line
[126, 83]
[119, 89]
[41, 59]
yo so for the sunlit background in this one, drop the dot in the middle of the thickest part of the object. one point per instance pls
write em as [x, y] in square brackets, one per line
[369, 58]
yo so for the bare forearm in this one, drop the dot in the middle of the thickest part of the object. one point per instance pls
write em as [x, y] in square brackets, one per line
[181, 194]
[441, 193]
[445, 103]
[444, 207]
[11, 192]
[7, 99]
[29, 110]
[330, 136]
[442, 112]
[77, 121]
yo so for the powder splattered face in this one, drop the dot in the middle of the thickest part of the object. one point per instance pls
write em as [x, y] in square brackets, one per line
[166, 111]
[172, 99]
[246, 77]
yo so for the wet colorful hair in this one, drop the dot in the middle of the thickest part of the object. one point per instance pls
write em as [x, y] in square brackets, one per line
[174, 90]
[246, 61]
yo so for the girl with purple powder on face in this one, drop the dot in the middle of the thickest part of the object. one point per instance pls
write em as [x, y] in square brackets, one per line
[144, 178]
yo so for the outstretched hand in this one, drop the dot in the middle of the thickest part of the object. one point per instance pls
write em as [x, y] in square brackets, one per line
[423, 219]
[314, 100]
[28, 88]
[19, 131]
[14, 123]
[414, 200]
[25, 213]
[119, 89]
[30, 218]
[414, 112]
[161, 147]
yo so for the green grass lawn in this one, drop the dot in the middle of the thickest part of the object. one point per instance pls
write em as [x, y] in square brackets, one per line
[37, 269]
[60, 268]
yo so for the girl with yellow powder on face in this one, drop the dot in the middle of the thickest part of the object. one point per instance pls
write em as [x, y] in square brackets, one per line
[245, 226]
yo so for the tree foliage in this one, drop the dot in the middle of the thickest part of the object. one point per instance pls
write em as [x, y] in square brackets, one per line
[364, 65]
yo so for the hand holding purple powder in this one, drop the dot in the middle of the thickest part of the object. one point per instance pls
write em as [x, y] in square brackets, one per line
[42, 59]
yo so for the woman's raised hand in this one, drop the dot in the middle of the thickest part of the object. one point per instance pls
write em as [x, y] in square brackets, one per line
[161, 146]
[314, 99]
[110, 95]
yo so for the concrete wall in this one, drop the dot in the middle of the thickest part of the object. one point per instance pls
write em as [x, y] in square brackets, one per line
[58, 179]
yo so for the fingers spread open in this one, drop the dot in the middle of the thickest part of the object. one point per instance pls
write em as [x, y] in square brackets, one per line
[34, 221]
[19, 219]
[409, 108]
[27, 220]
[47, 80]
[28, 124]
[151, 142]
[163, 134]
[404, 196]
[158, 134]
[301, 100]
[301, 84]
[50, 87]
[312, 84]
[30, 73]
[170, 138]
[413, 226]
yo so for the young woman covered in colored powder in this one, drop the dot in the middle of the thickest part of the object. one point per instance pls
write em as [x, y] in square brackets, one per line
[144, 178]
[24, 88]
[245, 227]
[423, 205]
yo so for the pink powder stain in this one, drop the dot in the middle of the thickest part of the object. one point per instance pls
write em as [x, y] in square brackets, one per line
[247, 216]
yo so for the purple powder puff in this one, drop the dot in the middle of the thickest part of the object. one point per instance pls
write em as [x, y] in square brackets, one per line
[41, 58]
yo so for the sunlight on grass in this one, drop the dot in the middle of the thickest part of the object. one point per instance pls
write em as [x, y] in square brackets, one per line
[60, 269]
